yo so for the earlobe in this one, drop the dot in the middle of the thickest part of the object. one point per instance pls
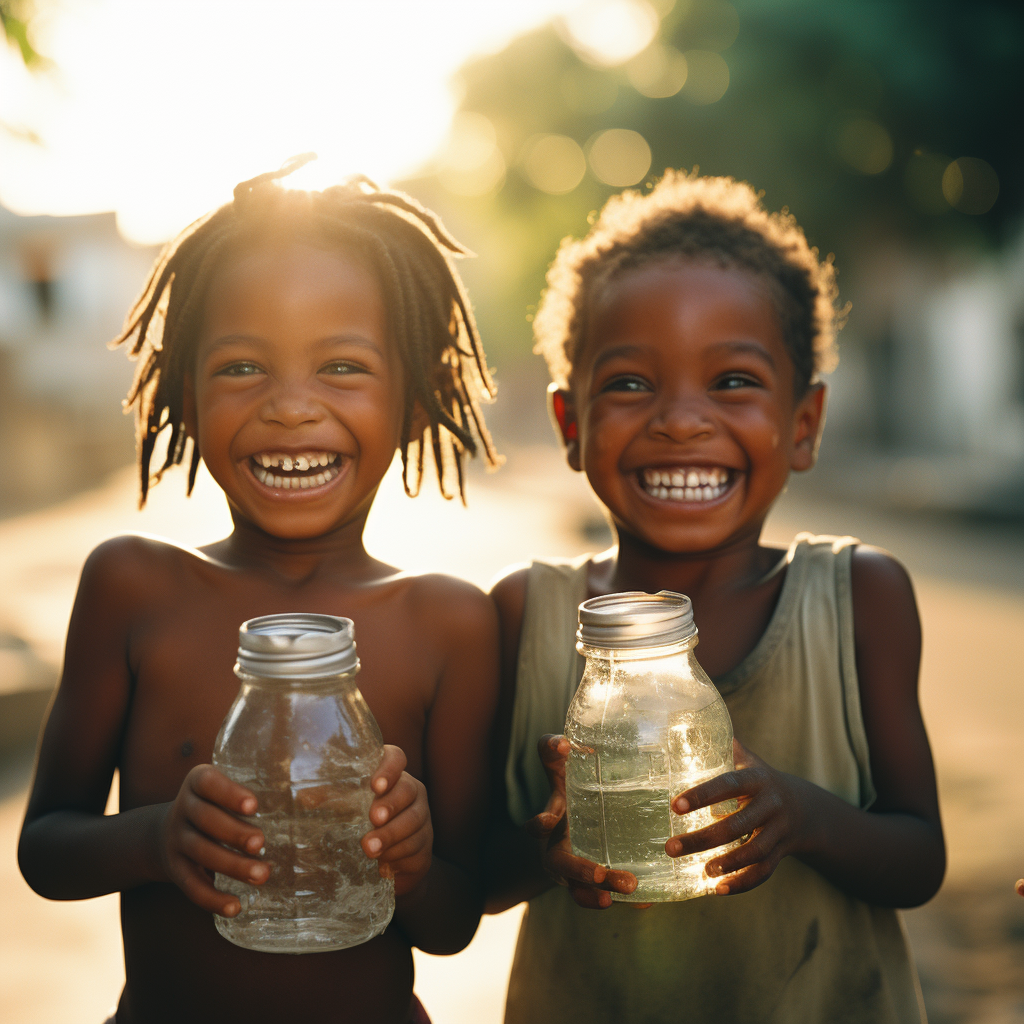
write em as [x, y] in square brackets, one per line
[562, 409]
[808, 424]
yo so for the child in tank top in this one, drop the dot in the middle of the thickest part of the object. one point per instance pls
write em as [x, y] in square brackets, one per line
[684, 335]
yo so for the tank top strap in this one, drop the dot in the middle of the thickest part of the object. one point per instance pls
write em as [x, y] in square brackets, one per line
[548, 672]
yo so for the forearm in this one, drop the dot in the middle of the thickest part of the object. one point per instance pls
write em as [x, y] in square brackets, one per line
[889, 859]
[73, 855]
[441, 914]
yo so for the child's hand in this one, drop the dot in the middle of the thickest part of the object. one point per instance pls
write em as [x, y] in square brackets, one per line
[199, 824]
[403, 841]
[771, 813]
[589, 883]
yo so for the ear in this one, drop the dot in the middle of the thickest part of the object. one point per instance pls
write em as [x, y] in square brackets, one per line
[562, 409]
[188, 408]
[808, 422]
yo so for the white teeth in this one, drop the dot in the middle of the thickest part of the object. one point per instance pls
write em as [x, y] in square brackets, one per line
[304, 482]
[678, 479]
[692, 479]
[703, 474]
[320, 479]
[302, 463]
[688, 493]
[286, 464]
[676, 494]
[278, 481]
[709, 493]
[696, 484]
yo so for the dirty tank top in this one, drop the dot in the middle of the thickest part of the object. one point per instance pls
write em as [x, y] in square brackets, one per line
[795, 950]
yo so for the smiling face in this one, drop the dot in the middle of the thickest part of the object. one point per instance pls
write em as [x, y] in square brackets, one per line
[298, 396]
[681, 408]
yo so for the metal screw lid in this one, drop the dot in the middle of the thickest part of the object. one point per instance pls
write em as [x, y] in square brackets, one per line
[635, 619]
[296, 646]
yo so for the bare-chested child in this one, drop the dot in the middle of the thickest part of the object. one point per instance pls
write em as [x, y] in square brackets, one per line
[292, 341]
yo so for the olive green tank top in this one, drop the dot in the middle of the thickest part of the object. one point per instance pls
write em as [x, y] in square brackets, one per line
[795, 950]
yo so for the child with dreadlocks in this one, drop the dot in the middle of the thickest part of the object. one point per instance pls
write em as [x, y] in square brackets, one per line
[684, 335]
[294, 341]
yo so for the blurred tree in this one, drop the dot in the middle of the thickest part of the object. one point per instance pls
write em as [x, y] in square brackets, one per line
[14, 18]
[864, 117]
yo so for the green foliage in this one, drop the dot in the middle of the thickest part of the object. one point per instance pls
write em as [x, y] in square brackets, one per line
[14, 19]
[848, 112]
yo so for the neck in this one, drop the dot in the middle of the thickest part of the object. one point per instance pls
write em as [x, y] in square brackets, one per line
[298, 560]
[636, 565]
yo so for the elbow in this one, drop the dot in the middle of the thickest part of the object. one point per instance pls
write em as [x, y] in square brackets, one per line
[30, 863]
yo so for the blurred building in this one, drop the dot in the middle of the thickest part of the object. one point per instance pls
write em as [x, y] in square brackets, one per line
[65, 286]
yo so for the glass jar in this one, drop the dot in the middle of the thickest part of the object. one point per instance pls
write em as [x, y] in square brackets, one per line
[645, 724]
[301, 737]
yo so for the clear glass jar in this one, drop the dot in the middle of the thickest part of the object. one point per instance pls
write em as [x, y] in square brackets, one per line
[645, 724]
[301, 737]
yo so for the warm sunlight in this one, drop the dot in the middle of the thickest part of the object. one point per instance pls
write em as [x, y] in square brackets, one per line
[157, 111]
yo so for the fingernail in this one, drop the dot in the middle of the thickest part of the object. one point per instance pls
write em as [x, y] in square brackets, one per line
[254, 843]
[258, 874]
[713, 869]
[600, 873]
[232, 910]
[373, 845]
[249, 805]
[380, 785]
[380, 815]
[682, 805]
[673, 848]
[722, 889]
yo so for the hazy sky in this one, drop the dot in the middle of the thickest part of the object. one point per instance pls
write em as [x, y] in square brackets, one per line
[156, 109]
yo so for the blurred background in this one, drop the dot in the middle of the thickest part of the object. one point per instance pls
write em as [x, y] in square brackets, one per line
[892, 130]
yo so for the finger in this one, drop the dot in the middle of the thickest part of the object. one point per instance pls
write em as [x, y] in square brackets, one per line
[1019, 886]
[405, 792]
[554, 751]
[591, 899]
[411, 848]
[222, 827]
[726, 830]
[763, 845]
[196, 885]
[413, 821]
[542, 825]
[579, 871]
[211, 856]
[213, 785]
[727, 786]
[747, 879]
[390, 769]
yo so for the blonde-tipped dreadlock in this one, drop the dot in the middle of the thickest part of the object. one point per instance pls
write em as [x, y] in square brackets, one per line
[429, 317]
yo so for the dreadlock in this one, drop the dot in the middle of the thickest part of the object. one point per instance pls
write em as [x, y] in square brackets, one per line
[429, 317]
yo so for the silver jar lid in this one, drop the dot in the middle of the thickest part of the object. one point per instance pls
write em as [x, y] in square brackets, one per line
[636, 619]
[296, 646]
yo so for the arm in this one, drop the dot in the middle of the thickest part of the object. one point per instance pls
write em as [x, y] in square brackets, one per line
[439, 903]
[523, 862]
[890, 855]
[69, 849]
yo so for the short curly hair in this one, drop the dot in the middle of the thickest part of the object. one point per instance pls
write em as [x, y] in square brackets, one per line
[714, 220]
[430, 318]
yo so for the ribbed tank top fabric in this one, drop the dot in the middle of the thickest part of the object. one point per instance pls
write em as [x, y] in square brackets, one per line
[796, 950]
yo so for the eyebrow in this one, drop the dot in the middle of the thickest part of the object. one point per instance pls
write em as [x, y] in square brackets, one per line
[616, 352]
[359, 340]
[753, 348]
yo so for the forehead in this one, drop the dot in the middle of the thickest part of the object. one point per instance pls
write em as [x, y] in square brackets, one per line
[682, 305]
[262, 286]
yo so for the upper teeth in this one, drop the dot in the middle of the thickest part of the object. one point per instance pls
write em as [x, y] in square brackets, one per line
[301, 462]
[686, 484]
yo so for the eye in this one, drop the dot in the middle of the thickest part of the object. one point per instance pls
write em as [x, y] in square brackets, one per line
[342, 368]
[240, 369]
[628, 383]
[734, 381]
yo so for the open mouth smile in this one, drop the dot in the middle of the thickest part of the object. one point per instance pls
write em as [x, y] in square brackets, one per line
[289, 471]
[687, 483]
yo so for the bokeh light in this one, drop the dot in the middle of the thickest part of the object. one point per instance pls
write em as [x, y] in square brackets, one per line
[970, 185]
[608, 32]
[619, 157]
[865, 145]
[471, 163]
[554, 163]
[707, 78]
[923, 181]
[658, 72]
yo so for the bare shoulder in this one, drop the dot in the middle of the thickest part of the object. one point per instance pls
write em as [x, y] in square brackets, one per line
[132, 565]
[454, 607]
[887, 628]
[509, 595]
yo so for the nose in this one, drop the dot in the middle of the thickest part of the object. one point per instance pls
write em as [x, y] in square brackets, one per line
[292, 404]
[681, 417]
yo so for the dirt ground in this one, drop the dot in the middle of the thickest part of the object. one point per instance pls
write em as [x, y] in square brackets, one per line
[60, 962]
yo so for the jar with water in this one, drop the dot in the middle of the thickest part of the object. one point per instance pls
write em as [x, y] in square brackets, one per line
[301, 737]
[646, 723]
